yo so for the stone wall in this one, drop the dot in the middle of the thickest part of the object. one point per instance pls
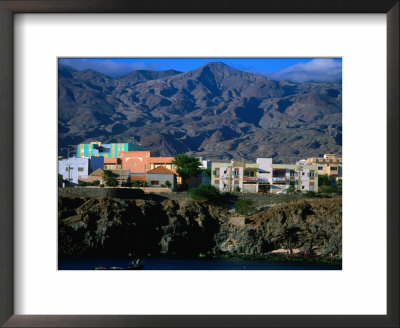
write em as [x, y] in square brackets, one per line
[98, 192]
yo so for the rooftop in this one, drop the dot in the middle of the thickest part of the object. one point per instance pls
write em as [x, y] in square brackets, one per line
[161, 169]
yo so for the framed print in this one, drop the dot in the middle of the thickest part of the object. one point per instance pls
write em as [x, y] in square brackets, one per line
[37, 36]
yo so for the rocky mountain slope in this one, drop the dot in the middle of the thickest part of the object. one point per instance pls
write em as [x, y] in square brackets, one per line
[116, 227]
[214, 111]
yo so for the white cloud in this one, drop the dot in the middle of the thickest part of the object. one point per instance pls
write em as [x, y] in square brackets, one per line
[326, 70]
[106, 66]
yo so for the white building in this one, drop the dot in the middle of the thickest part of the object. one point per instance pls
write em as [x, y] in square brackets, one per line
[302, 177]
[264, 174]
[205, 164]
[72, 168]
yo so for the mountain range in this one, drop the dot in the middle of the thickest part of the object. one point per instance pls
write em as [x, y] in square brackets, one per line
[214, 111]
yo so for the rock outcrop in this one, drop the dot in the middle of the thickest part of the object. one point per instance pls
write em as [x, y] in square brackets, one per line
[109, 226]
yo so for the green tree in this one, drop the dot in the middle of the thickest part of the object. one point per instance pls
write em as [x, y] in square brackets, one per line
[187, 166]
[96, 183]
[109, 179]
[207, 173]
[204, 193]
[126, 184]
[323, 180]
[168, 184]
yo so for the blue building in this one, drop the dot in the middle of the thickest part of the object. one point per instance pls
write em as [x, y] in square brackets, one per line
[96, 148]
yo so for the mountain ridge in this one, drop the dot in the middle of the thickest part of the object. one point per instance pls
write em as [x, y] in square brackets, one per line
[213, 111]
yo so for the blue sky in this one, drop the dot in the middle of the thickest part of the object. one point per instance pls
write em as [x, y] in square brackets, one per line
[296, 69]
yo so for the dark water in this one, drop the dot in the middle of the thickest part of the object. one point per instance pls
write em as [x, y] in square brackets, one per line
[192, 264]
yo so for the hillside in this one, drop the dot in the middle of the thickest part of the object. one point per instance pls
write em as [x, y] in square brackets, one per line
[213, 111]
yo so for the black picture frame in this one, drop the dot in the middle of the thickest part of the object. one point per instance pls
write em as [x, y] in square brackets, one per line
[10, 7]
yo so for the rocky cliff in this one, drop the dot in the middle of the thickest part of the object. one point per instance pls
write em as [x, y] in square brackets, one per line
[116, 227]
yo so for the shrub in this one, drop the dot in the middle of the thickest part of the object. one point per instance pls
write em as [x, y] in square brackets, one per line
[204, 193]
[323, 180]
[331, 189]
[244, 206]
[112, 182]
[96, 183]
[126, 184]
[102, 186]
[168, 184]
[237, 189]
[162, 185]
[311, 194]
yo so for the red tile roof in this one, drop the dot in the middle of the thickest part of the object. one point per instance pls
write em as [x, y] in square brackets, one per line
[161, 169]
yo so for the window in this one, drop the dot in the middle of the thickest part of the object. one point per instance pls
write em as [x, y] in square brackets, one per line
[147, 155]
[302, 173]
[333, 168]
[80, 169]
[133, 164]
[311, 188]
[302, 187]
[320, 168]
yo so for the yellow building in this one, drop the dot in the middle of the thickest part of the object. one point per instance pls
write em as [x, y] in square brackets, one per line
[329, 164]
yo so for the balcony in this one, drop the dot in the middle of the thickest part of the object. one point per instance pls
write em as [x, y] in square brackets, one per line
[251, 179]
[279, 179]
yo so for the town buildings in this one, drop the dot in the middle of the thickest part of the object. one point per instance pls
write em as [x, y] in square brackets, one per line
[235, 175]
[263, 176]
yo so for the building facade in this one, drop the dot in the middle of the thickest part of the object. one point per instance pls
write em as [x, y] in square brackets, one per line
[263, 176]
[143, 161]
[159, 176]
[302, 177]
[329, 164]
[112, 163]
[72, 168]
[234, 175]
